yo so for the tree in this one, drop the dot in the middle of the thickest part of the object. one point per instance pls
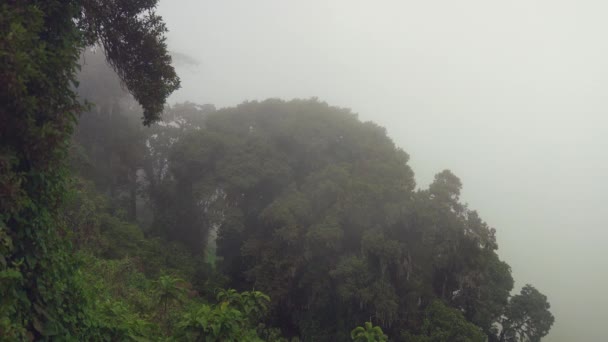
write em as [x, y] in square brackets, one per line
[368, 333]
[298, 190]
[527, 317]
[169, 289]
[254, 304]
[442, 323]
[132, 37]
[446, 187]
[40, 43]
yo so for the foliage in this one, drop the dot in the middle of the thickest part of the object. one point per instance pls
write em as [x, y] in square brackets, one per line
[126, 161]
[300, 190]
[254, 304]
[300, 200]
[442, 323]
[39, 49]
[96, 229]
[369, 333]
[168, 290]
[234, 318]
[527, 317]
[132, 36]
[219, 323]
[128, 306]
[126, 302]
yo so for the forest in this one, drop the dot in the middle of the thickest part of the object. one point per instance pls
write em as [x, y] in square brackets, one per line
[270, 221]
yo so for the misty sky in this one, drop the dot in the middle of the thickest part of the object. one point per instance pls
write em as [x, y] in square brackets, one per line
[512, 96]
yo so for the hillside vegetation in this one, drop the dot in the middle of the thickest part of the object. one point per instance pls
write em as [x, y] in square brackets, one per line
[270, 221]
[313, 208]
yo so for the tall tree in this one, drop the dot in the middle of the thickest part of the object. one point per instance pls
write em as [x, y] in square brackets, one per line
[527, 317]
[318, 210]
[40, 43]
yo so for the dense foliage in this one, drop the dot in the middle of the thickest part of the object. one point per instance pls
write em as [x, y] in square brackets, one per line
[269, 221]
[40, 43]
[319, 211]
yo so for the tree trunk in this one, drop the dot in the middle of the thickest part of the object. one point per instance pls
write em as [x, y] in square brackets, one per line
[445, 280]
[133, 194]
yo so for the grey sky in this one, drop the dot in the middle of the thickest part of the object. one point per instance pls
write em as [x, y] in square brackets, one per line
[512, 96]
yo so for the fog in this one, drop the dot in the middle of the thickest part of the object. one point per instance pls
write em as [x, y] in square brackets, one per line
[509, 95]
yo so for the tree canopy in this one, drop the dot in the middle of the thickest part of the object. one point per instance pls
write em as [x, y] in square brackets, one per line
[320, 211]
